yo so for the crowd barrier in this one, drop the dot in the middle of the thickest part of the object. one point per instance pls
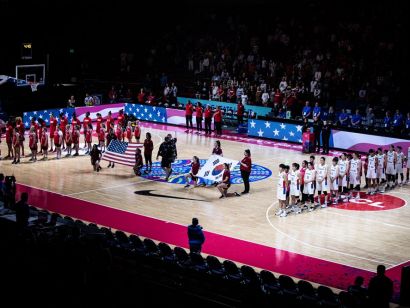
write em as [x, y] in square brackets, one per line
[339, 139]
[276, 130]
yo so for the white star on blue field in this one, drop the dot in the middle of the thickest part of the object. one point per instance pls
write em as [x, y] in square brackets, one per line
[275, 130]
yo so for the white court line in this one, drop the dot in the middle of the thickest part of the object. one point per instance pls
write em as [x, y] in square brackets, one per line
[323, 248]
[397, 265]
[368, 219]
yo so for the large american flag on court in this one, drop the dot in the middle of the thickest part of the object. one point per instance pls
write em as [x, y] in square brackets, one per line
[121, 152]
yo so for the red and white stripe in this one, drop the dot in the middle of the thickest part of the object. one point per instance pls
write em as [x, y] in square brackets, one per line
[128, 158]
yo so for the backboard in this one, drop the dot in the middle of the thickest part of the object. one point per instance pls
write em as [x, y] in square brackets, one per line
[30, 74]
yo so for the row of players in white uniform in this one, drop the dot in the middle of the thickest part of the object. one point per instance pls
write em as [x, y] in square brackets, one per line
[339, 181]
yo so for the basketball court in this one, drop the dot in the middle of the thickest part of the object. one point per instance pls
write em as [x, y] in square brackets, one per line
[327, 246]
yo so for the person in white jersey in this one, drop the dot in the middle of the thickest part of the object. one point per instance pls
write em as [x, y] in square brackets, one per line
[371, 174]
[381, 171]
[408, 165]
[399, 165]
[334, 180]
[281, 191]
[354, 176]
[309, 187]
[391, 159]
[295, 179]
[343, 172]
[322, 181]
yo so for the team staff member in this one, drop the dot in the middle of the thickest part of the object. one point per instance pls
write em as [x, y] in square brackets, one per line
[198, 114]
[246, 167]
[326, 131]
[218, 120]
[208, 120]
[166, 152]
[148, 148]
[239, 112]
[189, 109]
[317, 130]
[196, 237]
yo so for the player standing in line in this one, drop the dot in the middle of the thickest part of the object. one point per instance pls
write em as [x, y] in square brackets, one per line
[137, 131]
[53, 127]
[68, 139]
[343, 168]
[195, 165]
[21, 131]
[99, 123]
[365, 167]
[118, 133]
[128, 132]
[348, 180]
[321, 182]
[287, 187]
[58, 139]
[281, 191]
[109, 123]
[354, 176]
[148, 148]
[32, 143]
[371, 174]
[334, 180]
[16, 146]
[302, 183]
[89, 138]
[63, 126]
[44, 143]
[9, 139]
[309, 188]
[381, 171]
[295, 179]
[408, 165]
[86, 124]
[391, 160]
[399, 166]
[101, 138]
[76, 139]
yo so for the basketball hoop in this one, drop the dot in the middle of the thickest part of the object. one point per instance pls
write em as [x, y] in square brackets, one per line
[33, 86]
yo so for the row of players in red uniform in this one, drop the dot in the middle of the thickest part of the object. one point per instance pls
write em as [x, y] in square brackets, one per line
[208, 114]
[63, 134]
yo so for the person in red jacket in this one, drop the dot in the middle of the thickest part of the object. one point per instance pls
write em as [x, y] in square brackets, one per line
[137, 131]
[9, 139]
[121, 119]
[109, 122]
[246, 167]
[198, 114]
[240, 109]
[89, 138]
[75, 122]
[208, 120]
[53, 127]
[148, 148]
[218, 121]
[99, 122]
[63, 126]
[86, 123]
[189, 109]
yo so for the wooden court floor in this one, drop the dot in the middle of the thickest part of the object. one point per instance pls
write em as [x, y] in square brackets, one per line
[361, 239]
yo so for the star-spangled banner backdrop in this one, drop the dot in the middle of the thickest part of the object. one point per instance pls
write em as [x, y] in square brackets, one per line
[45, 115]
[147, 112]
[275, 130]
